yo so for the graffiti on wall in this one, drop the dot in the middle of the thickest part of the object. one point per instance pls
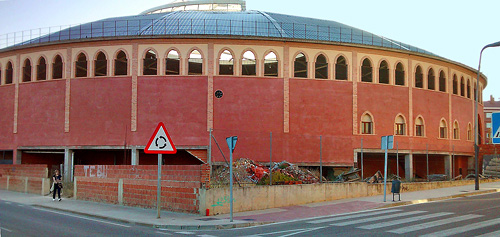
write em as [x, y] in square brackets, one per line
[221, 201]
[99, 171]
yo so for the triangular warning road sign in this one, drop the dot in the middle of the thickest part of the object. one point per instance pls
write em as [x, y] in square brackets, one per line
[160, 142]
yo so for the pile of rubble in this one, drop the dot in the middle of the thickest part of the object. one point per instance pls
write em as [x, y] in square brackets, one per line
[249, 171]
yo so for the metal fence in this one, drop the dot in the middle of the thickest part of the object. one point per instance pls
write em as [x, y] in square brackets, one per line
[219, 27]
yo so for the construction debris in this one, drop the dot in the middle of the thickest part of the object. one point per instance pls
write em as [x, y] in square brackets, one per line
[492, 167]
[437, 177]
[249, 171]
[376, 178]
[351, 176]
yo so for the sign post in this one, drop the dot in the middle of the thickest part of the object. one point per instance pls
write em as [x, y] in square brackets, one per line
[231, 143]
[160, 143]
[387, 143]
[495, 128]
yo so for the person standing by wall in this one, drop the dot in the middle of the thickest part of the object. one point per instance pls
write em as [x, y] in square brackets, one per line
[57, 179]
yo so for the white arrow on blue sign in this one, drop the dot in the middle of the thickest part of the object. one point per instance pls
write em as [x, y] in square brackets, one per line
[495, 128]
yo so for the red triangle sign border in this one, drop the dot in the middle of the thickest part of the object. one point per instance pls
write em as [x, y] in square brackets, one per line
[148, 146]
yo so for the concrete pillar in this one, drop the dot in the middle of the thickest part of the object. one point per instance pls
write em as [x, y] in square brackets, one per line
[134, 157]
[120, 191]
[16, 156]
[68, 165]
[409, 167]
[448, 166]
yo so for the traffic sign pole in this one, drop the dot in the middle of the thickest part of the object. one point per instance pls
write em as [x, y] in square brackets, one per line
[158, 186]
[231, 143]
[385, 174]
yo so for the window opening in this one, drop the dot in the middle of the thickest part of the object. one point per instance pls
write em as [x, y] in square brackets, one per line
[9, 73]
[321, 67]
[468, 89]
[383, 73]
[442, 82]
[226, 63]
[442, 129]
[455, 85]
[271, 65]
[366, 71]
[41, 70]
[195, 62]
[419, 78]
[173, 63]
[419, 127]
[101, 65]
[400, 126]
[469, 132]
[367, 124]
[248, 64]
[400, 75]
[341, 69]
[300, 66]
[462, 87]
[431, 82]
[27, 71]
[57, 68]
[455, 130]
[150, 64]
[121, 64]
[81, 66]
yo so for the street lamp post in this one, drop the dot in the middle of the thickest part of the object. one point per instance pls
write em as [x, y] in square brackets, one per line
[476, 127]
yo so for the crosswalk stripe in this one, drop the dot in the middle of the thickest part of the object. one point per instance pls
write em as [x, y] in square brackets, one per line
[403, 221]
[431, 224]
[352, 216]
[465, 228]
[377, 218]
[492, 234]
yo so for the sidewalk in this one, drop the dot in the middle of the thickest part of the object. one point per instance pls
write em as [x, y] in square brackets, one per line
[173, 220]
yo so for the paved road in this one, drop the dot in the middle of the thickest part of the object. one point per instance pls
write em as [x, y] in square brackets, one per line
[471, 216]
[24, 220]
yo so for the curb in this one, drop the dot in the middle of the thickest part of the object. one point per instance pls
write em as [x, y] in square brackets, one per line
[404, 203]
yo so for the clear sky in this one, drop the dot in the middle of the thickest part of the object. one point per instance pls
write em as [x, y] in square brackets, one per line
[454, 29]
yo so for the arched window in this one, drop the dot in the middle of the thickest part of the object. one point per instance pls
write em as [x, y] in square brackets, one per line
[383, 73]
[400, 74]
[57, 68]
[456, 131]
[9, 71]
[469, 131]
[366, 71]
[27, 70]
[1, 82]
[321, 67]
[81, 66]
[443, 129]
[475, 89]
[462, 86]
[468, 88]
[173, 63]
[101, 65]
[41, 70]
[150, 63]
[248, 64]
[271, 65]
[300, 66]
[366, 124]
[419, 78]
[341, 69]
[419, 127]
[195, 63]
[431, 82]
[121, 64]
[399, 126]
[226, 63]
[442, 82]
[455, 85]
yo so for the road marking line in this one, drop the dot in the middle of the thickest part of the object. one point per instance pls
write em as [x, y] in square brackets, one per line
[352, 216]
[359, 221]
[163, 233]
[85, 218]
[306, 230]
[492, 234]
[185, 233]
[8, 203]
[279, 232]
[3, 228]
[431, 224]
[403, 221]
[465, 228]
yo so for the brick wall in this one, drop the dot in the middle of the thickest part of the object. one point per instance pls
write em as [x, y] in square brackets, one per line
[25, 178]
[136, 185]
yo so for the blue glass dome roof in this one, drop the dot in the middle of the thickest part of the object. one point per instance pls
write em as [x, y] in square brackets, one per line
[254, 24]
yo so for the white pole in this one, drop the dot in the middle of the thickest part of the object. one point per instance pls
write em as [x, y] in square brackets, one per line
[231, 184]
[385, 172]
[158, 187]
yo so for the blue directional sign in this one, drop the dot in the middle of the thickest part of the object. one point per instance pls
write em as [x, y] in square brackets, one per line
[387, 142]
[495, 128]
